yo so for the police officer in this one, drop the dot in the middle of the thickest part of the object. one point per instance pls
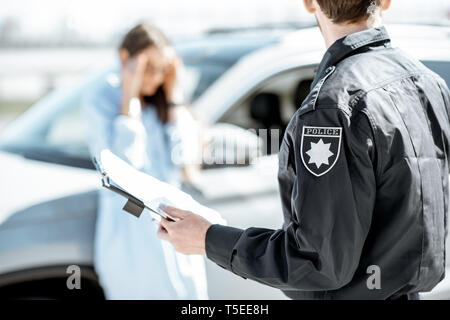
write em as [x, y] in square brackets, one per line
[363, 176]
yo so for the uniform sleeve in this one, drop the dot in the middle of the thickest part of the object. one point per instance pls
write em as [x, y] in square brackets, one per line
[328, 216]
[108, 129]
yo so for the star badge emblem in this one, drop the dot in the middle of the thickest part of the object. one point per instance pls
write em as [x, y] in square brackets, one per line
[320, 147]
[319, 153]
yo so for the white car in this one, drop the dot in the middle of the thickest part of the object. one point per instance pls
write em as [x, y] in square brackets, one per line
[236, 80]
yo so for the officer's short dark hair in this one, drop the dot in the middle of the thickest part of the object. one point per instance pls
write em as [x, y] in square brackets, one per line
[349, 11]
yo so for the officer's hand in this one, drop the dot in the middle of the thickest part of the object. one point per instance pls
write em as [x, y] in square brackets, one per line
[187, 234]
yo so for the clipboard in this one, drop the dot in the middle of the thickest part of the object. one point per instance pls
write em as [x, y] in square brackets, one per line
[134, 205]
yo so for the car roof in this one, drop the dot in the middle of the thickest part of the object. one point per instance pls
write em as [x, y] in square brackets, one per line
[305, 48]
[401, 35]
[227, 47]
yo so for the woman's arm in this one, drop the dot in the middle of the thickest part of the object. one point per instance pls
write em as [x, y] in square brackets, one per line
[109, 128]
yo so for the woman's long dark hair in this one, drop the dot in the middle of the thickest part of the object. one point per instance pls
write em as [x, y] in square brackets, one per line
[137, 39]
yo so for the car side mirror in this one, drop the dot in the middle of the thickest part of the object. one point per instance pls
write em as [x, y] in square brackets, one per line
[229, 145]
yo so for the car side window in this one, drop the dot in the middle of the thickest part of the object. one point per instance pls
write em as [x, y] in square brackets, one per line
[442, 68]
[270, 106]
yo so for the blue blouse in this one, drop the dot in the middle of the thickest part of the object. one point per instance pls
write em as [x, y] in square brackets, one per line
[131, 261]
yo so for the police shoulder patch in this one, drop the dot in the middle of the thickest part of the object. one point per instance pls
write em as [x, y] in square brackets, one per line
[320, 148]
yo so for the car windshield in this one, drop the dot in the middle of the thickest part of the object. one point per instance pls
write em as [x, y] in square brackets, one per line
[207, 58]
[200, 76]
[53, 129]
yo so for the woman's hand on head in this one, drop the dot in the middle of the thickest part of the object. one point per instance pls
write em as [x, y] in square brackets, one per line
[133, 69]
[173, 67]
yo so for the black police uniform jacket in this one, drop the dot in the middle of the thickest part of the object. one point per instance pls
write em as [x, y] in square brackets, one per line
[363, 178]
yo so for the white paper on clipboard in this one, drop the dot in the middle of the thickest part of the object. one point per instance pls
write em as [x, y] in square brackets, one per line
[151, 190]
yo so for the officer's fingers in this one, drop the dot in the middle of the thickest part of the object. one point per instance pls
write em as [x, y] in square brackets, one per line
[175, 212]
[162, 233]
[166, 224]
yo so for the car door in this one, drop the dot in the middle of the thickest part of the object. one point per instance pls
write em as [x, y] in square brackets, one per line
[247, 195]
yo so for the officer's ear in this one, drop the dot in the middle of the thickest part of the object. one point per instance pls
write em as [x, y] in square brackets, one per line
[310, 5]
[385, 4]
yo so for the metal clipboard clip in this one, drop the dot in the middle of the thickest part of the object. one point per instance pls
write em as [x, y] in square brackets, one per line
[134, 205]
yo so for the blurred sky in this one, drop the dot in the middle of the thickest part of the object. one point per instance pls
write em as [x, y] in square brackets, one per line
[100, 21]
[48, 43]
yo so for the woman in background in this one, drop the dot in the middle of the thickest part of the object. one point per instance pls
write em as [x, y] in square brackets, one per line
[135, 113]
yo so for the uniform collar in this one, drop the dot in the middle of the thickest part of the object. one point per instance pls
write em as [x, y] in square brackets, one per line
[347, 45]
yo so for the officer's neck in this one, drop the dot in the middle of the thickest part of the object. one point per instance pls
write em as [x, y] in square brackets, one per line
[333, 31]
